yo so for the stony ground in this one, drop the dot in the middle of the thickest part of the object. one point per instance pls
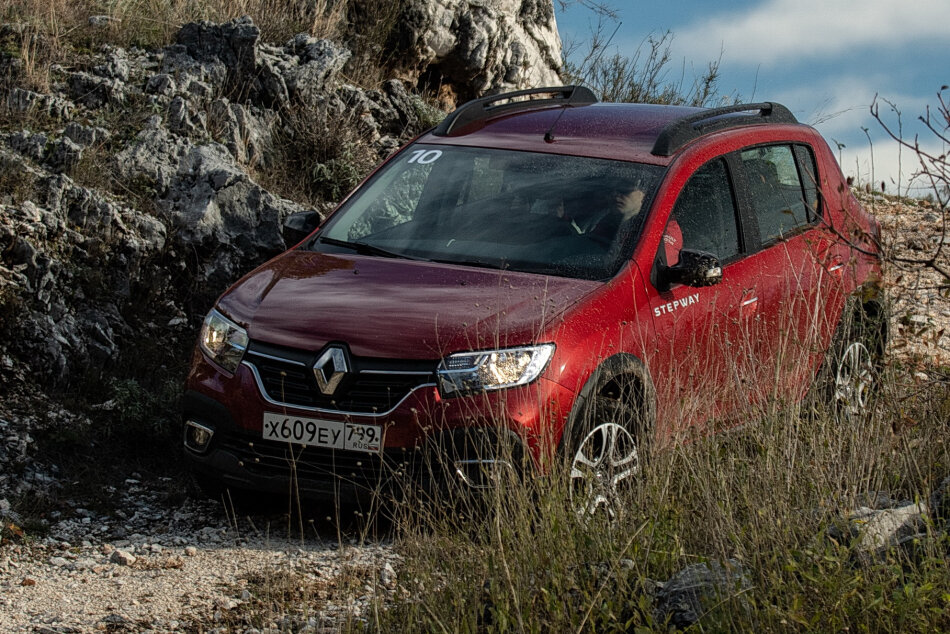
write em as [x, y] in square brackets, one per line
[915, 233]
[190, 568]
[165, 562]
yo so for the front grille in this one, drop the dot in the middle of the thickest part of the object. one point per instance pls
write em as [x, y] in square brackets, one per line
[373, 385]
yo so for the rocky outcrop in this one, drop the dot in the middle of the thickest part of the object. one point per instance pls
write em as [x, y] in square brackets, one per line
[467, 49]
[117, 205]
[111, 227]
[71, 260]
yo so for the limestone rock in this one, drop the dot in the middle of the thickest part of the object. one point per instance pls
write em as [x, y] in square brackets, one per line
[211, 202]
[880, 529]
[482, 47]
[232, 43]
[23, 100]
[94, 91]
[122, 557]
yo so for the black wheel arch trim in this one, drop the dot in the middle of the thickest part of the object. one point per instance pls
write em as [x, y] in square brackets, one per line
[621, 364]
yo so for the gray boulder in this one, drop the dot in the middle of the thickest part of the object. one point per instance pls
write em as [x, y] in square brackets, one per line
[94, 91]
[233, 43]
[115, 66]
[877, 530]
[23, 100]
[29, 144]
[65, 154]
[161, 84]
[86, 136]
[181, 119]
[320, 63]
[697, 589]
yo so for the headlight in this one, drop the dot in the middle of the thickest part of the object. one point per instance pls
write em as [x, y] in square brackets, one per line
[223, 340]
[492, 369]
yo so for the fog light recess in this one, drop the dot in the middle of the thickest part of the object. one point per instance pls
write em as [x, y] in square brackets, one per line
[197, 436]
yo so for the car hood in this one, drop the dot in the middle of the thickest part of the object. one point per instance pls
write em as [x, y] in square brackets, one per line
[383, 307]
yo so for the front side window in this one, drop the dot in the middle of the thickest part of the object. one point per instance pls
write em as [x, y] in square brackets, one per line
[542, 213]
[704, 216]
[776, 191]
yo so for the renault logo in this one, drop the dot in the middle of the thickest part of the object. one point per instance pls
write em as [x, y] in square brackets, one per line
[330, 369]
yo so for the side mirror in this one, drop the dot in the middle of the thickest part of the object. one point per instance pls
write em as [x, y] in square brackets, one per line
[299, 225]
[695, 268]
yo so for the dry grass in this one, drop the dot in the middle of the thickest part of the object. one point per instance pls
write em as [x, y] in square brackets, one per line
[318, 156]
[764, 495]
[153, 23]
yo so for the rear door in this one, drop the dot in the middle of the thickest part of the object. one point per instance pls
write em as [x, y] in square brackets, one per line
[796, 286]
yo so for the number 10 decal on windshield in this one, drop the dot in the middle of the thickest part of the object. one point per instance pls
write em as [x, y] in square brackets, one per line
[424, 157]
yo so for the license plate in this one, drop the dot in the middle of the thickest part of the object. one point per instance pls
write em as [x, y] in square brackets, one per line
[323, 433]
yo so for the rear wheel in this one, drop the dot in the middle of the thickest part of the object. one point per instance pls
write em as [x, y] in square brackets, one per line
[855, 380]
[855, 361]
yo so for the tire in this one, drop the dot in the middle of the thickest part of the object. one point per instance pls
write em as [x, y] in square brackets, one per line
[854, 363]
[608, 443]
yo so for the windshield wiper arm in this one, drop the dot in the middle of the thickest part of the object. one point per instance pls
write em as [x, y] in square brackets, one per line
[368, 249]
[482, 264]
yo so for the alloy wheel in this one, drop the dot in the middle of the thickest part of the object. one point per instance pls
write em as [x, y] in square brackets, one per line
[605, 462]
[854, 380]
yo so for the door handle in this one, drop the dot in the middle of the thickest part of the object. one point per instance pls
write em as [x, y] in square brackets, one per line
[749, 303]
[836, 266]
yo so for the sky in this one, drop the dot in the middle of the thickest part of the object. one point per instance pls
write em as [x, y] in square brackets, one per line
[824, 59]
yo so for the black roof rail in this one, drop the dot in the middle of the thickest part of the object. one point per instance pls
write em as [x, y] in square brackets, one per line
[479, 109]
[680, 132]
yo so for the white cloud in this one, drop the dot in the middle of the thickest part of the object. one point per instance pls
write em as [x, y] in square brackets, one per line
[800, 29]
[898, 168]
[839, 107]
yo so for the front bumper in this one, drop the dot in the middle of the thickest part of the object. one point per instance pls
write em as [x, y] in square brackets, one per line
[431, 444]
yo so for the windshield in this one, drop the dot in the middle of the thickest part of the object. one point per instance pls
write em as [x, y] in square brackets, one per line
[539, 213]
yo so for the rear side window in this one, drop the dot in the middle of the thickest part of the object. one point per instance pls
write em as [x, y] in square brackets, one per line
[704, 217]
[780, 200]
[809, 175]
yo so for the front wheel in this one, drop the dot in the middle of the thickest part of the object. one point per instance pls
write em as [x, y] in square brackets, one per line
[606, 448]
[606, 462]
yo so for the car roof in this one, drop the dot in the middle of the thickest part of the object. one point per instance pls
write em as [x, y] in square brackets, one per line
[603, 130]
[573, 122]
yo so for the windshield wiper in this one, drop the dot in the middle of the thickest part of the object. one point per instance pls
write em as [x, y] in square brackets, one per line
[503, 266]
[368, 249]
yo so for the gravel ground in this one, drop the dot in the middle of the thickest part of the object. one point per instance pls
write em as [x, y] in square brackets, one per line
[154, 564]
[143, 585]
[191, 568]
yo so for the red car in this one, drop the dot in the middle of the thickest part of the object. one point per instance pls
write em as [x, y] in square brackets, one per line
[575, 280]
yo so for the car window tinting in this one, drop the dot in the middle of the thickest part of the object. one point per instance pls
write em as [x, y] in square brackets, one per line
[775, 190]
[705, 214]
[542, 213]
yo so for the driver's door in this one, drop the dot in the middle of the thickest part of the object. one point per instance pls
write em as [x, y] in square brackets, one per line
[704, 358]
